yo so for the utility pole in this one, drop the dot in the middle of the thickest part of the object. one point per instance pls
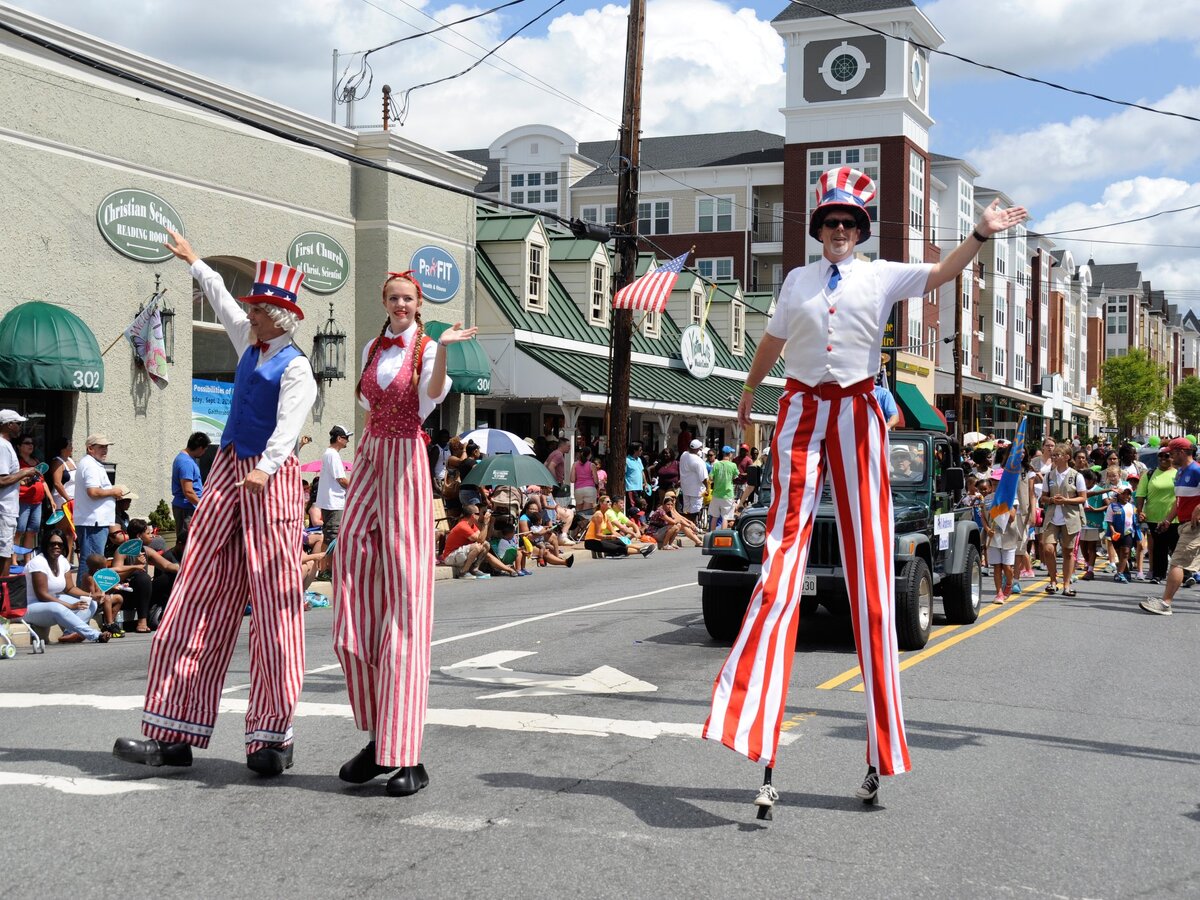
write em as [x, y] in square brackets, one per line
[627, 209]
[958, 357]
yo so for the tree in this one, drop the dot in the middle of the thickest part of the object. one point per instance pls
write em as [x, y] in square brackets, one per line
[1187, 403]
[1132, 388]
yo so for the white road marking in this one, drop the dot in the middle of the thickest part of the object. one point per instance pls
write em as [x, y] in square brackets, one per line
[497, 719]
[490, 669]
[68, 785]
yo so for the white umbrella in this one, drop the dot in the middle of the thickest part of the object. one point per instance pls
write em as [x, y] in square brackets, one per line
[973, 437]
[496, 440]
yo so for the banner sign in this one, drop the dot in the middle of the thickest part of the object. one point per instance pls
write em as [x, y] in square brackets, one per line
[698, 352]
[135, 224]
[324, 262]
[210, 406]
[437, 273]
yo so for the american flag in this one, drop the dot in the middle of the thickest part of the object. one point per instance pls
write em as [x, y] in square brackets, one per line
[650, 292]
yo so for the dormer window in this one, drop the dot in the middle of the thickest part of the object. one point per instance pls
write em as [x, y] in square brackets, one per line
[697, 307]
[598, 306]
[651, 324]
[738, 342]
[535, 290]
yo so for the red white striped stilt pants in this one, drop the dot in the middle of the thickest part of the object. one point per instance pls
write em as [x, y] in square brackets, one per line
[826, 430]
[383, 585]
[241, 548]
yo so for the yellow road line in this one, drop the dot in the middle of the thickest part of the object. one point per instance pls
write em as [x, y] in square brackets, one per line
[850, 674]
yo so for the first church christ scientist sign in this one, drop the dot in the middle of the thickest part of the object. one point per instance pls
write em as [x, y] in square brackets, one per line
[324, 262]
[135, 224]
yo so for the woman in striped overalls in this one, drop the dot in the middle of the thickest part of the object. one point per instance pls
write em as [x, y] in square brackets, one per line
[384, 556]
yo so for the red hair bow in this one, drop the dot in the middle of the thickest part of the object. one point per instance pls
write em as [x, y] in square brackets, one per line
[409, 276]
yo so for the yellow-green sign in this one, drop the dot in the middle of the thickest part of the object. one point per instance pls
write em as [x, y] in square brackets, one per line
[324, 262]
[135, 223]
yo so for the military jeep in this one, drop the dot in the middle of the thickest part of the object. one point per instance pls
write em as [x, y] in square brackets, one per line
[937, 549]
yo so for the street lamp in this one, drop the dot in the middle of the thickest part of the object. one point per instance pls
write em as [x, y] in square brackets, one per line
[329, 351]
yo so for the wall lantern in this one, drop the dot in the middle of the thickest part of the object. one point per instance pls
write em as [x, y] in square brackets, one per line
[329, 351]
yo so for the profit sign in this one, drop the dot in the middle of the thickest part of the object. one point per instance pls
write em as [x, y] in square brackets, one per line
[437, 273]
[324, 262]
[135, 224]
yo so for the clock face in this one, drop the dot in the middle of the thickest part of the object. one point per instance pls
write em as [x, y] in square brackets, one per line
[843, 68]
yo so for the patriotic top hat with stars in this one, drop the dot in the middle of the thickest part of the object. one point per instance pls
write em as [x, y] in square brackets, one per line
[843, 188]
[276, 285]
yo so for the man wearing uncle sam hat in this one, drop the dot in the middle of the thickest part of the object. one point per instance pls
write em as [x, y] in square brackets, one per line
[244, 543]
[828, 327]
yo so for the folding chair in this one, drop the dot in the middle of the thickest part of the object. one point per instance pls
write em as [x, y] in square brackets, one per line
[13, 605]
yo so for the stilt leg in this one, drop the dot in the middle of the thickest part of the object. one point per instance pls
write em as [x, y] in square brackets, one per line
[767, 795]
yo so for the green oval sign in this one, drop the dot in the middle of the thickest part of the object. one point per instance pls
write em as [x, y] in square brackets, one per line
[135, 224]
[324, 262]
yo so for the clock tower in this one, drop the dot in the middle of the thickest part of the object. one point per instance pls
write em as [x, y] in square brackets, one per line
[860, 98]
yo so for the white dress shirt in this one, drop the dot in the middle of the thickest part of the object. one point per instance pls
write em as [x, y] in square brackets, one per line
[297, 387]
[394, 359]
[837, 336]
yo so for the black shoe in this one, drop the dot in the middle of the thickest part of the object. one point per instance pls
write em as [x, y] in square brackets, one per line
[870, 786]
[270, 760]
[362, 767]
[408, 781]
[153, 753]
[646, 551]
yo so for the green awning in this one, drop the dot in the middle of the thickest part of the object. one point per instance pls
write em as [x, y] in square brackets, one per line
[916, 409]
[468, 366]
[44, 347]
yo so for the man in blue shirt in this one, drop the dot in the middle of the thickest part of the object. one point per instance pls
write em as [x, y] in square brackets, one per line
[887, 403]
[635, 478]
[186, 484]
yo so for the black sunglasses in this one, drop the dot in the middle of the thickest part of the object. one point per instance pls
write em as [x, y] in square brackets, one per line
[834, 224]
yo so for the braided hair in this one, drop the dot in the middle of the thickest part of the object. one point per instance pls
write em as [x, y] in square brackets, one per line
[416, 375]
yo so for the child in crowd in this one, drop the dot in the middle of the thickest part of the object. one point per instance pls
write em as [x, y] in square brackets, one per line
[1122, 530]
[110, 603]
[1136, 567]
[1093, 522]
[1002, 544]
[507, 549]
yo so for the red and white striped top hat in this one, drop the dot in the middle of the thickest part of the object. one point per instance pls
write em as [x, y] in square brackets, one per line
[276, 284]
[844, 188]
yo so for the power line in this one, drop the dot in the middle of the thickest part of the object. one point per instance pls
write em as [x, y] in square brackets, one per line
[972, 62]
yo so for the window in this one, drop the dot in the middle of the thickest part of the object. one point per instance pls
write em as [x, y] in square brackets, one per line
[915, 326]
[697, 307]
[720, 269]
[598, 308]
[516, 181]
[852, 156]
[536, 292]
[550, 196]
[1001, 256]
[597, 214]
[834, 157]
[998, 362]
[999, 312]
[533, 197]
[533, 148]
[820, 161]
[517, 197]
[714, 214]
[738, 342]
[1019, 325]
[1019, 369]
[651, 324]
[550, 179]
[1118, 314]
[654, 217]
[534, 180]
[916, 191]
[816, 158]
[966, 209]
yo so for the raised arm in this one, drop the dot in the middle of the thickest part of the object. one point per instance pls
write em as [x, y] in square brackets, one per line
[993, 221]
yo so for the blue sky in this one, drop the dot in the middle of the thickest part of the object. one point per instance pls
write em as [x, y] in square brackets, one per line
[713, 65]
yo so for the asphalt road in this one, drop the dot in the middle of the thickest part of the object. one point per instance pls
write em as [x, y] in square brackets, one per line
[1055, 747]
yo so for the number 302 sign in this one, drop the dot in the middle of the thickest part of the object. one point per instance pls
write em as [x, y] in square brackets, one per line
[85, 379]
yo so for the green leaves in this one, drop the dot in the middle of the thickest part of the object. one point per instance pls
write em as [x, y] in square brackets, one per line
[1133, 387]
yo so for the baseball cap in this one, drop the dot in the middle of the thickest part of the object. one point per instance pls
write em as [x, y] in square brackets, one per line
[10, 415]
[97, 440]
[1176, 444]
[696, 444]
[726, 449]
[337, 431]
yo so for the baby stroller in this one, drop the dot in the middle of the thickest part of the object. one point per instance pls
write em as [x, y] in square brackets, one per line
[13, 604]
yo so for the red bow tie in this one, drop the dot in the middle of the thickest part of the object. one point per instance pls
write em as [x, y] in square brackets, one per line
[386, 342]
[262, 346]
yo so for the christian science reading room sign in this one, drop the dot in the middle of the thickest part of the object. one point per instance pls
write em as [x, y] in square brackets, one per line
[436, 272]
[324, 262]
[135, 224]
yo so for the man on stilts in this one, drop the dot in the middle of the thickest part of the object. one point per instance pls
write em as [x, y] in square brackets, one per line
[828, 326]
[243, 543]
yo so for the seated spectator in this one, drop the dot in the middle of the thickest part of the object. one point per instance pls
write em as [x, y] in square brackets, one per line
[558, 516]
[165, 572]
[507, 556]
[469, 493]
[668, 515]
[600, 538]
[54, 598]
[623, 526]
[110, 603]
[466, 547]
[133, 571]
[541, 537]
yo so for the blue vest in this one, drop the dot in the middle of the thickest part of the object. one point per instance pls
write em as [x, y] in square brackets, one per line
[252, 413]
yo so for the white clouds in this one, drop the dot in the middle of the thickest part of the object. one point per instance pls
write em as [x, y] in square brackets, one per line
[1054, 34]
[708, 67]
[1166, 267]
[1050, 160]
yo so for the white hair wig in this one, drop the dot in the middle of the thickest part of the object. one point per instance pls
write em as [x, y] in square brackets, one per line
[283, 318]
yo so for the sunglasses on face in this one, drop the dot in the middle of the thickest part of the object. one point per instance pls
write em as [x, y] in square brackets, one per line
[55, 544]
[834, 224]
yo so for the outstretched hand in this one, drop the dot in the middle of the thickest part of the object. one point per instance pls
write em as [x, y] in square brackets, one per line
[996, 219]
[181, 248]
[456, 334]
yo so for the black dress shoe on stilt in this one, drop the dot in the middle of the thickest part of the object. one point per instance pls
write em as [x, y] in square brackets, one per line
[362, 767]
[270, 760]
[153, 753]
[408, 781]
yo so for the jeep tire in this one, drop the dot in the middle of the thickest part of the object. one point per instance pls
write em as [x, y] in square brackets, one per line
[962, 594]
[914, 605]
[724, 610]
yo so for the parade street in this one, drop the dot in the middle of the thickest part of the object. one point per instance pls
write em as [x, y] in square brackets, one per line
[1054, 744]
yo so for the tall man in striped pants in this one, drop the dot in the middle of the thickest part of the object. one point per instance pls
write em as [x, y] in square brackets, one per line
[828, 326]
[243, 544]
